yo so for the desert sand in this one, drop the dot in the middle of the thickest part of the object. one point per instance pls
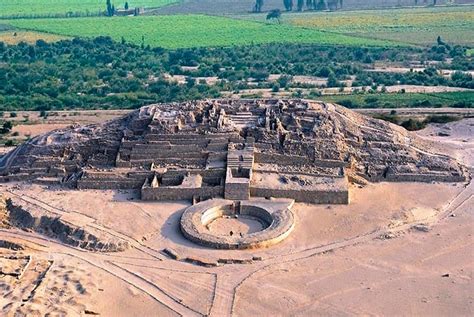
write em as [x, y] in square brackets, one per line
[397, 249]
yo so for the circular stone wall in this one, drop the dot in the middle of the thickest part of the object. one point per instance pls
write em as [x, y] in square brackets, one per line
[276, 224]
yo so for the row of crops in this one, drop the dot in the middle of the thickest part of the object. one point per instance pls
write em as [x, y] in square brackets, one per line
[178, 31]
[38, 8]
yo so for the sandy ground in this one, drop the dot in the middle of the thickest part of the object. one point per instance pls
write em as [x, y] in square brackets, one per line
[13, 37]
[241, 225]
[268, 93]
[28, 124]
[463, 112]
[63, 117]
[397, 249]
[401, 70]
[181, 79]
[417, 274]
[455, 139]
[29, 130]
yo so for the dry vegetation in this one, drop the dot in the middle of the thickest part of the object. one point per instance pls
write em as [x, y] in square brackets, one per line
[13, 37]
[414, 26]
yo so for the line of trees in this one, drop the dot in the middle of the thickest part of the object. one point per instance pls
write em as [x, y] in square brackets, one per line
[258, 6]
[288, 5]
[434, 2]
[317, 5]
[321, 5]
[69, 14]
[110, 8]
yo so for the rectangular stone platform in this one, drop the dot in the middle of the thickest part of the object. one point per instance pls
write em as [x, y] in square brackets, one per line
[301, 188]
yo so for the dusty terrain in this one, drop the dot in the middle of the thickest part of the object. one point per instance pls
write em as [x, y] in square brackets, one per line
[397, 249]
[268, 93]
[28, 124]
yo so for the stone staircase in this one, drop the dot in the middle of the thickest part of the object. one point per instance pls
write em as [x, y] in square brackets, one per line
[239, 172]
[242, 159]
[244, 119]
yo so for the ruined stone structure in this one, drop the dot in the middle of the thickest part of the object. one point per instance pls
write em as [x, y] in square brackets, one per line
[232, 149]
[275, 216]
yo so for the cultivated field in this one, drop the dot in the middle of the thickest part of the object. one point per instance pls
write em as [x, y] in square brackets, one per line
[402, 100]
[184, 28]
[179, 31]
[28, 8]
[414, 26]
[229, 7]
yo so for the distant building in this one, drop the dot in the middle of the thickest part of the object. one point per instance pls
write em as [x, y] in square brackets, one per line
[131, 11]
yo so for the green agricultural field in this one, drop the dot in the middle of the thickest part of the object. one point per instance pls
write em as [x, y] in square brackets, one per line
[181, 31]
[414, 26]
[30, 8]
[385, 100]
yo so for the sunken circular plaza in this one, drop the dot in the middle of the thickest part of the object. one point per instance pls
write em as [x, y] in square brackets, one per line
[275, 220]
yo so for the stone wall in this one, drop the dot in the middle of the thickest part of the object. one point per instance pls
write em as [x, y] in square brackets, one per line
[279, 224]
[110, 180]
[109, 184]
[237, 191]
[305, 196]
[427, 178]
[180, 193]
[285, 159]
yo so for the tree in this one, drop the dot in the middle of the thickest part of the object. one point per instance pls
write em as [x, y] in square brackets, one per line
[332, 4]
[32, 52]
[7, 127]
[288, 5]
[109, 8]
[43, 114]
[309, 4]
[126, 6]
[300, 5]
[340, 3]
[332, 81]
[440, 41]
[321, 5]
[258, 6]
[274, 14]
